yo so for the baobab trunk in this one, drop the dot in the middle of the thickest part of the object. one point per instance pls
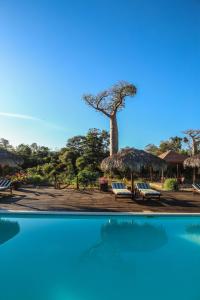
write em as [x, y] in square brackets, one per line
[194, 147]
[113, 135]
[194, 152]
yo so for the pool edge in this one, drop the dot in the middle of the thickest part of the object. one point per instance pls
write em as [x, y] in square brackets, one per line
[46, 212]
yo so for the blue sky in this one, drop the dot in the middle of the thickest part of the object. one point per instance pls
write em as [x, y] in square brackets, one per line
[52, 52]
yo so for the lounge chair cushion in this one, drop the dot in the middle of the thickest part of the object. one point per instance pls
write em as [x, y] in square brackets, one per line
[147, 192]
[121, 192]
[3, 188]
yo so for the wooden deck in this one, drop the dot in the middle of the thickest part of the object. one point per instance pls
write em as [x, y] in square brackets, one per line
[43, 199]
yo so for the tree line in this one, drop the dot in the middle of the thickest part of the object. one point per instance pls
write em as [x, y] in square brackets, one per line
[189, 144]
[81, 157]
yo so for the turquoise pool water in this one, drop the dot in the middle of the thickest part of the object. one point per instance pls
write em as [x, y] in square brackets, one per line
[99, 257]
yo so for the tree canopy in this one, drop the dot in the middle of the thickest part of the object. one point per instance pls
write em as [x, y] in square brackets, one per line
[176, 144]
[80, 157]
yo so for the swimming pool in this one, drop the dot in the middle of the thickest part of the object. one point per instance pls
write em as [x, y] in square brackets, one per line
[75, 257]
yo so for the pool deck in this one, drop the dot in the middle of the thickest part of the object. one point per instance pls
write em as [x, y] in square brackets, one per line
[69, 200]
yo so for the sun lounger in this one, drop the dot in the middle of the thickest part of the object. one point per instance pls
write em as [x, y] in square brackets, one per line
[146, 191]
[120, 189]
[5, 184]
[196, 187]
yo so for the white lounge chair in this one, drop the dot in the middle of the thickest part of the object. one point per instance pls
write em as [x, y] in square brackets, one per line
[5, 184]
[196, 187]
[120, 189]
[146, 191]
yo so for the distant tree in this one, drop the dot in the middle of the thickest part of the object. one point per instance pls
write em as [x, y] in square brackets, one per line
[95, 149]
[85, 152]
[34, 147]
[153, 149]
[43, 152]
[23, 150]
[69, 158]
[34, 155]
[173, 144]
[75, 144]
[5, 144]
[192, 139]
[109, 102]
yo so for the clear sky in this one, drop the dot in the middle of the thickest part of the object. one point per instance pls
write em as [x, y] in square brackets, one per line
[52, 52]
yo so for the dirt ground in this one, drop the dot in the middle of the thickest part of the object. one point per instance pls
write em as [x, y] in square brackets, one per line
[43, 199]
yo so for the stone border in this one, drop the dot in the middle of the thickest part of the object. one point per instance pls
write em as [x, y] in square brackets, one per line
[77, 213]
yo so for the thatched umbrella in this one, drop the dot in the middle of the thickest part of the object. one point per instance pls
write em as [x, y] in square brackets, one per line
[10, 159]
[193, 162]
[133, 160]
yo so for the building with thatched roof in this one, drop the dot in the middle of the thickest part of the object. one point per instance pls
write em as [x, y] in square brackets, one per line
[174, 161]
[172, 157]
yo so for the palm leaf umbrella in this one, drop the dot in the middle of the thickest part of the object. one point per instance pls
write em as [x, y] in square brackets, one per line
[10, 159]
[193, 162]
[133, 160]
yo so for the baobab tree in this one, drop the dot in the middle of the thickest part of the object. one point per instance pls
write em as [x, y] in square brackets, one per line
[109, 102]
[193, 140]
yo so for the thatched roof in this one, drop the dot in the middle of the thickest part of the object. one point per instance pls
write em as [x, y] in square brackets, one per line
[173, 157]
[9, 159]
[132, 159]
[193, 161]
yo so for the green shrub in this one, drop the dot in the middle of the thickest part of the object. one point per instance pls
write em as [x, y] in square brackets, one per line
[171, 184]
[37, 179]
[87, 177]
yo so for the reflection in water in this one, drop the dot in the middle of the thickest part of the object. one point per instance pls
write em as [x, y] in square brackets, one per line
[193, 234]
[131, 236]
[127, 237]
[193, 229]
[116, 256]
[8, 229]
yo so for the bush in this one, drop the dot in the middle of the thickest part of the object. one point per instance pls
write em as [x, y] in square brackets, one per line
[37, 179]
[171, 184]
[87, 177]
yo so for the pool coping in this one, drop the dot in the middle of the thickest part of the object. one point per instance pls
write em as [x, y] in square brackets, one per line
[144, 213]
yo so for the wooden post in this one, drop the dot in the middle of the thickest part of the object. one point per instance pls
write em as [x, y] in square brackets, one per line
[177, 171]
[55, 181]
[151, 174]
[194, 175]
[132, 184]
[162, 177]
[77, 183]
